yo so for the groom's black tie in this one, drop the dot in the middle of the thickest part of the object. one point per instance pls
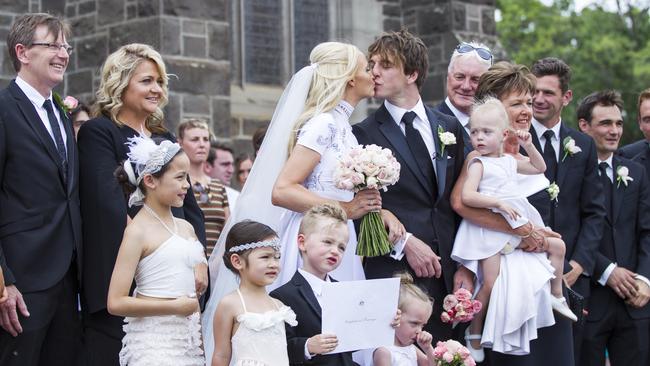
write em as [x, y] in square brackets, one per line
[420, 151]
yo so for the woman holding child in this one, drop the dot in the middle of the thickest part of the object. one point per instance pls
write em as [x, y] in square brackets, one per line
[514, 85]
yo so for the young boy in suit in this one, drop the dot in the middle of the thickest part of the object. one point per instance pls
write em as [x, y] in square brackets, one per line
[322, 238]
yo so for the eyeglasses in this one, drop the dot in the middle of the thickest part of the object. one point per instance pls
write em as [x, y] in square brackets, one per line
[483, 53]
[55, 47]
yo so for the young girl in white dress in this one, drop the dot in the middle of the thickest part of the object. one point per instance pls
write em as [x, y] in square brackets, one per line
[249, 325]
[516, 308]
[416, 307]
[162, 254]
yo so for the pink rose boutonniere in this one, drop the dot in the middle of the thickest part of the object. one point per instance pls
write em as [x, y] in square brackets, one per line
[67, 104]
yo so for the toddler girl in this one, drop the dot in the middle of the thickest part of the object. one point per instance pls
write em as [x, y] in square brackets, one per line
[248, 324]
[492, 183]
[416, 307]
[161, 253]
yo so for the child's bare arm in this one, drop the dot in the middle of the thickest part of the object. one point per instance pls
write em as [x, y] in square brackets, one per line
[535, 164]
[222, 328]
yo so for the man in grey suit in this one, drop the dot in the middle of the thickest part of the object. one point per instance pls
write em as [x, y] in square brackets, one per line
[618, 316]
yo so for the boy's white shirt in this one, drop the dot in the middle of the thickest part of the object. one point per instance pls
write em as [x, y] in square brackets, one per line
[316, 285]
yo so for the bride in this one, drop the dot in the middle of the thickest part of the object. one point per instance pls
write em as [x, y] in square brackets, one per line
[312, 119]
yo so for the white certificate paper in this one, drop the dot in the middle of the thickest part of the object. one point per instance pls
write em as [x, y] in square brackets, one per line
[360, 313]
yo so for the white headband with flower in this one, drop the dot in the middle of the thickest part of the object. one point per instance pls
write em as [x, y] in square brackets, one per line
[148, 158]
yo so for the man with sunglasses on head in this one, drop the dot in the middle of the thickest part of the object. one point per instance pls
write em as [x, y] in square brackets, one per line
[40, 224]
[468, 62]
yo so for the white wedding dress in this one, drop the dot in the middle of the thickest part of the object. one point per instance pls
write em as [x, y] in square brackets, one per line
[330, 135]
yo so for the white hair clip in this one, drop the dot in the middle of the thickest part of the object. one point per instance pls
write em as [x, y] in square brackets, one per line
[273, 243]
[148, 158]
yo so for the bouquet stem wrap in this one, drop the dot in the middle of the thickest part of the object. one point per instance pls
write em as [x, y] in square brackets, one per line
[373, 240]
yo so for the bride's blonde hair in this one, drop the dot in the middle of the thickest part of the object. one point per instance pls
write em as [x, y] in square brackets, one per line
[337, 64]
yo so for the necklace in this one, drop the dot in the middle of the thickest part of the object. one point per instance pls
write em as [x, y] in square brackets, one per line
[153, 213]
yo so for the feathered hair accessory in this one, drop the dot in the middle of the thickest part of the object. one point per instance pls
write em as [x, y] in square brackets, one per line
[148, 158]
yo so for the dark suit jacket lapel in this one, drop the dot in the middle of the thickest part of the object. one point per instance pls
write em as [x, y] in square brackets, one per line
[306, 292]
[441, 159]
[533, 135]
[562, 166]
[34, 120]
[618, 193]
[394, 135]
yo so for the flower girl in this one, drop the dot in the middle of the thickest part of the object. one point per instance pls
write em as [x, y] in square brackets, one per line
[492, 183]
[248, 324]
[416, 307]
[160, 252]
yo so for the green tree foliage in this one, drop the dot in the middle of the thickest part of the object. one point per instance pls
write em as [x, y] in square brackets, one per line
[606, 49]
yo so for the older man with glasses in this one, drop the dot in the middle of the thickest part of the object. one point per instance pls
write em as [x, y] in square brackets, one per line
[468, 62]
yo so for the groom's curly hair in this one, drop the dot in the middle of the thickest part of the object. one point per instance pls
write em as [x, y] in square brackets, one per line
[404, 50]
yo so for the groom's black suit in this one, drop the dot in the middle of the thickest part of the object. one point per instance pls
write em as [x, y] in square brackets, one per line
[40, 229]
[412, 201]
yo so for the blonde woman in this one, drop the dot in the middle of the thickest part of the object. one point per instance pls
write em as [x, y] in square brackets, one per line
[194, 137]
[130, 98]
[312, 119]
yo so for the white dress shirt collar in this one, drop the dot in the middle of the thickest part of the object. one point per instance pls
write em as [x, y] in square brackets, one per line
[315, 283]
[460, 116]
[398, 112]
[32, 94]
[610, 166]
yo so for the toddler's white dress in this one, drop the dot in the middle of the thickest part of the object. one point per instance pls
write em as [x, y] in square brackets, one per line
[520, 302]
[260, 339]
[171, 340]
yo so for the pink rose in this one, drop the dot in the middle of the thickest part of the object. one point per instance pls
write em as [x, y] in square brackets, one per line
[445, 317]
[476, 306]
[463, 352]
[449, 302]
[467, 304]
[70, 102]
[439, 350]
[447, 357]
[462, 294]
[470, 362]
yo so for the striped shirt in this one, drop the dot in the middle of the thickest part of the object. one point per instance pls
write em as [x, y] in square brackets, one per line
[213, 202]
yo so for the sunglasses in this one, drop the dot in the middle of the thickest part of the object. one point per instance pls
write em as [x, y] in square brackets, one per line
[483, 53]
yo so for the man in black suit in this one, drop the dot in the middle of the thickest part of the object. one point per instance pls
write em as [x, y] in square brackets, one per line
[578, 213]
[468, 62]
[618, 315]
[430, 162]
[40, 225]
[640, 151]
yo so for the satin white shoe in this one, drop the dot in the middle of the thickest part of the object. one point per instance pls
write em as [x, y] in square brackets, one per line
[561, 307]
[477, 354]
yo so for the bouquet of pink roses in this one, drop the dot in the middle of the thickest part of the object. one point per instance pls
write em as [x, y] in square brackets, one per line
[459, 307]
[452, 353]
[371, 167]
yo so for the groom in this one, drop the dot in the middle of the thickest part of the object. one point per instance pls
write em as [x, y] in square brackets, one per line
[420, 199]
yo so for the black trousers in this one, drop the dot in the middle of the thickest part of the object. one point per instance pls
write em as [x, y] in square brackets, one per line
[626, 339]
[52, 333]
[102, 338]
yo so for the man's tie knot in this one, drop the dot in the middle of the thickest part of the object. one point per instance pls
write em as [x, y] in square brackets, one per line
[548, 135]
[408, 117]
[602, 168]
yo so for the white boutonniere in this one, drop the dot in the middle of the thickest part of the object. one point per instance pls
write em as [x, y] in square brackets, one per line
[570, 147]
[553, 191]
[623, 176]
[446, 138]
